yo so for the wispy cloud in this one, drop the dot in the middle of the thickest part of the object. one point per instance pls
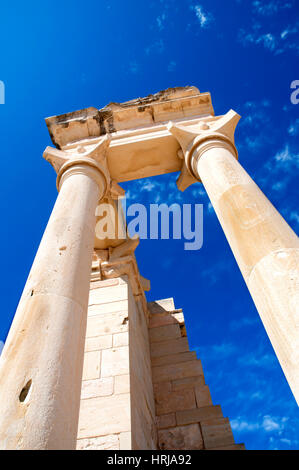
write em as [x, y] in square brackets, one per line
[271, 7]
[266, 423]
[205, 18]
[293, 129]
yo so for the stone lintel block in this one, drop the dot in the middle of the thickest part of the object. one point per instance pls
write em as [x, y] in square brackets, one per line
[164, 333]
[97, 388]
[203, 396]
[171, 402]
[174, 358]
[165, 348]
[188, 382]
[115, 362]
[217, 432]
[198, 414]
[176, 371]
[91, 365]
[110, 442]
[121, 384]
[162, 319]
[98, 342]
[181, 438]
[166, 421]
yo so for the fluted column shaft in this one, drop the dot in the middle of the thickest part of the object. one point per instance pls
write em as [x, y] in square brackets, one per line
[41, 364]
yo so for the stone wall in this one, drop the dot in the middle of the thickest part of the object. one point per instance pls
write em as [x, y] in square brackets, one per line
[117, 404]
[186, 416]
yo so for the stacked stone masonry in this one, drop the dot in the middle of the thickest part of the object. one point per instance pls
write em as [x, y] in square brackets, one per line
[186, 416]
[142, 388]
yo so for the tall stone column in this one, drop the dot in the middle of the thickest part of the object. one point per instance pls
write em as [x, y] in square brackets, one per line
[265, 247]
[41, 364]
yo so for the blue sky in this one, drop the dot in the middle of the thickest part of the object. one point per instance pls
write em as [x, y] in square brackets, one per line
[57, 57]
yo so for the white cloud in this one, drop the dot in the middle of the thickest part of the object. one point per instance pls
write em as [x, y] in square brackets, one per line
[171, 66]
[160, 21]
[271, 7]
[266, 423]
[204, 18]
[294, 128]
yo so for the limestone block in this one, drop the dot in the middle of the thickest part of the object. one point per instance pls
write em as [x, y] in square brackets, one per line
[203, 396]
[108, 307]
[162, 319]
[162, 388]
[107, 324]
[165, 348]
[98, 342]
[161, 306]
[125, 441]
[174, 358]
[164, 333]
[104, 283]
[110, 442]
[166, 421]
[176, 371]
[122, 384]
[175, 401]
[104, 415]
[97, 388]
[120, 339]
[198, 414]
[188, 382]
[91, 365]
[181, 438]
[115, 362]
[217, 433]
[108, 294]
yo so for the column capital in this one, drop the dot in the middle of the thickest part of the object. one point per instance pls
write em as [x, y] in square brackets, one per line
[201, 137]
[91, 162]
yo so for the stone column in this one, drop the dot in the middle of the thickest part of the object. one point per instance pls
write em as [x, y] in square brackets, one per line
[41, 364]
[265, 247]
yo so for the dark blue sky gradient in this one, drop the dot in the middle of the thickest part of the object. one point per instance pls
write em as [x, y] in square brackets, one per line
[57, 57]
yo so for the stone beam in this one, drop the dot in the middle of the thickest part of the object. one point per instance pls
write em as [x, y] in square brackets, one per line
[141, 145]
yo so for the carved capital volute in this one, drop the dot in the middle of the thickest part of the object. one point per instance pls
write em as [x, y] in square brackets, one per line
[197, 139]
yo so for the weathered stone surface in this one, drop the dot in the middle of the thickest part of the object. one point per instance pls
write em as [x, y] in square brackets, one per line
[115, 361]
[188, 382]
[162, 388]
[181, 438]
[164, 333]
[120, 339]
[125, 441]
[203, 396]
[175, 401]
[98, 342]
[122, 384]
[165, 348]
[198, 414]
[104, 415]
[174, 358]
[160, 306]
[92, 365]
[110, 442]
[177, 371]
[106, 308]
[97, 388]
[116, 322]
[216, 433]
[166, 421]
[107, 295]
[104, 283]
[162, 319]
[231, 447]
